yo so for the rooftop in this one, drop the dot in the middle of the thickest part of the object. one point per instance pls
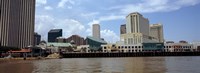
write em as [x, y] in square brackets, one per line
[59, 44]
[96, 39]
[55, 30]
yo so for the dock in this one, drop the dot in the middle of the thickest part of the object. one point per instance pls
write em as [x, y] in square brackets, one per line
[136, 54]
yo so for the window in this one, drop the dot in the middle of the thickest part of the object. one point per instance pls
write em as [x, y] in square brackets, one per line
[125, 46]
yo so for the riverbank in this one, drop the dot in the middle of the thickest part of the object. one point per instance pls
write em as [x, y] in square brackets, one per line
[51, 56]
[28, 58]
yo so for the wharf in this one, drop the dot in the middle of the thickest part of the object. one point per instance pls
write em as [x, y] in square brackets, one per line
[131, 54]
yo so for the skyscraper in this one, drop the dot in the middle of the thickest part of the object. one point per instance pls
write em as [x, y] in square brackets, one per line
[136, 23]
[96, 30]
[17, 19]
[53, 34]
[137, 30]
[123, 29]
[37, 39]
[156, 31]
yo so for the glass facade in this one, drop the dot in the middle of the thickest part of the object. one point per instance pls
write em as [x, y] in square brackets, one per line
[94, 43]
[153, 46]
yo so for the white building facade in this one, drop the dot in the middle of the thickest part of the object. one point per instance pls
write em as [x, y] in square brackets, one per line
[156, 31]
[137, 30]
[96, 30]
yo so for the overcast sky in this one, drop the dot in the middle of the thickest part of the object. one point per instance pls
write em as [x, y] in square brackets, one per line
[180, 18]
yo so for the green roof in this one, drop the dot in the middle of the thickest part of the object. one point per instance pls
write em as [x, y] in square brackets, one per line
[59, 44]
[96, 39]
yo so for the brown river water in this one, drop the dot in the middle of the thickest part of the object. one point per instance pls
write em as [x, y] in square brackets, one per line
[189, 64]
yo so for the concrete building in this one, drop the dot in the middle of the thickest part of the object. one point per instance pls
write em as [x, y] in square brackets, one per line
[177, 47]
[196, 46]
[136, 23]
[148, 47]
[53, 34]
[76, 39]
[123, 29]
[156, 31]
[17, 19]
[137, 30]
[37, 39]
[59, 47]
[96, 30]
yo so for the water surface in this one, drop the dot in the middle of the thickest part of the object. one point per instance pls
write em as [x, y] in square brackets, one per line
[105, 65]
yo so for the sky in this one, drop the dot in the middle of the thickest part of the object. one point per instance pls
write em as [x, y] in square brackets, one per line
[180, 18]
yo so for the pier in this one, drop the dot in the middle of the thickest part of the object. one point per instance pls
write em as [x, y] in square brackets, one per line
[136, 54]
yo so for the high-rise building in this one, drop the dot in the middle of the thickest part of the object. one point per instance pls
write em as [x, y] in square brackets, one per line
[53, 34]
[137, 30]
[37, 39]
[136, 23]
[96, 31]
[17, 19]
[156, 31]
[76, 39]
[123, 29]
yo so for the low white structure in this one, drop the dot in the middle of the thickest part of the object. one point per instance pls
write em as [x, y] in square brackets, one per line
[136, 38]
[196, 46]
[177, 47]
[168, 47]
[122, 48]
[59, 47]
[83, 48]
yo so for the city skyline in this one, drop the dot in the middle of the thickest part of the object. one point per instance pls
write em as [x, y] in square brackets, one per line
[111, 14]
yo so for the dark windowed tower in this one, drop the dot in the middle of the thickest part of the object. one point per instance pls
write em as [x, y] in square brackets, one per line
[123, 29]
[53, 34]
[17, 19]
[37, 39]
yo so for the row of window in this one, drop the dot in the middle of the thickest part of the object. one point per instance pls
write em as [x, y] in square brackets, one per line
[177, 46]
[167, 50]
[142, 47]
[127, 47]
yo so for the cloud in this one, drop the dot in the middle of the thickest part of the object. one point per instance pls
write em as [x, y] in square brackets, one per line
[151, 6]
[89, 30]
[41, 2]
[101, 19]
[62, 3]
[48, 8]
[89, 15]
[111, 17]
[44, 23]
[109, 36]
[70, 27]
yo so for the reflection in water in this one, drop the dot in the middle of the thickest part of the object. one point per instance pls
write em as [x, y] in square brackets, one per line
[16, 67]
[105, 65]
